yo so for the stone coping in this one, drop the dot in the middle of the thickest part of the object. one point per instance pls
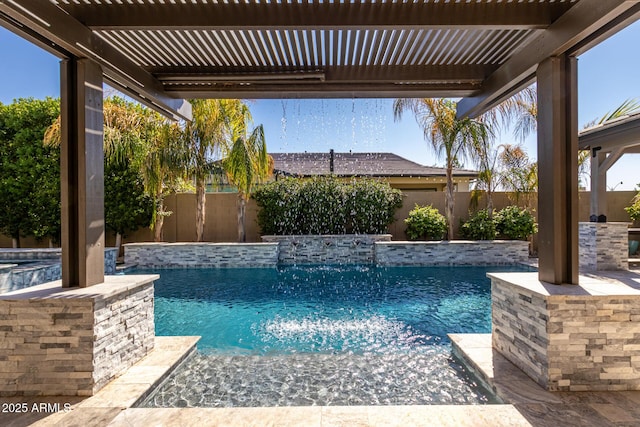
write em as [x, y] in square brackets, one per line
[7, 266]
[443, 242]
[112, 285]
[622, 284]
[178, 244]
[320, 236]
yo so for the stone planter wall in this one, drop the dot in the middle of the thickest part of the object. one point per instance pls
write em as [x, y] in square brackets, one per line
[327, 249]
[568, 338]
[201, 255]
[456, 252]
[603, 246]
[72, 341]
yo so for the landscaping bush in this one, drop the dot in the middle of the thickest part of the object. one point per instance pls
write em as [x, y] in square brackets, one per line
[479, 227]
[634, 209]
[322, 207]
[279, 206]
[425, 222]
[371, 206]
[515, 223]
[326, 205]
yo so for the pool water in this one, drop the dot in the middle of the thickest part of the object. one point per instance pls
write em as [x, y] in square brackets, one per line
[323, 335]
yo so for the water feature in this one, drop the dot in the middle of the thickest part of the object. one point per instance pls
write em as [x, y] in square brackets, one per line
[324, 335]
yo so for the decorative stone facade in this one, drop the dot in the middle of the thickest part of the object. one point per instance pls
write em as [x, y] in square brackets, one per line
[36, 266]
[603, 246]
[456, 252]
[568, 338]
[196, 255]
[327, 249]
[72, 341]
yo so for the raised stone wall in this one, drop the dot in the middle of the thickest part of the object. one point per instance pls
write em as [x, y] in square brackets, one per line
[568, 338]
[603, 246]
[72, 341]
[327, 249]
[456, 252]
[48, 254]
[197, 255]
[43, 265]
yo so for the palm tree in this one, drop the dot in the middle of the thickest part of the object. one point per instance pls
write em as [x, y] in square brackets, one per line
[206, 137]
[246, 165]
[134, 134]
[519, 174]
[449, 136]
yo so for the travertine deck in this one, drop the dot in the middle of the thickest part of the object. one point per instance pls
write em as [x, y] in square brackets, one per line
[538, 406]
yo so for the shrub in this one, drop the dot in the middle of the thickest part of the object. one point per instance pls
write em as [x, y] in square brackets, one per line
[326, 205]
[515, 223]
[634, 209]
[371, 206]
[322, 206]
[479, 227]
[425, 222]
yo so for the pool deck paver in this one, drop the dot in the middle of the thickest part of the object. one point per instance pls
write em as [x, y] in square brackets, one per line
[540, 407]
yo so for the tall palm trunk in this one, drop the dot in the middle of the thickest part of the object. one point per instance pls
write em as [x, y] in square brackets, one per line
[241, 215]
[201, 202]
[449, 201]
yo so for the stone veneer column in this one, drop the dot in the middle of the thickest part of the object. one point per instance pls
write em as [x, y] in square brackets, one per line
[603, 246]
[62, 341]
[568, 338]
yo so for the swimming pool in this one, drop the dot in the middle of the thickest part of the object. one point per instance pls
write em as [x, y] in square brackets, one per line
[324, 335]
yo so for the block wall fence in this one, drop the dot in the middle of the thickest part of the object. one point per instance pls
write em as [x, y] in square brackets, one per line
[221, 216]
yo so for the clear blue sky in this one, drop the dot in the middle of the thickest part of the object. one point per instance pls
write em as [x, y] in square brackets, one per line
[608, 75]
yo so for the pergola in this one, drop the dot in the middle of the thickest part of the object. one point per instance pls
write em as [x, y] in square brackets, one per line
[161, 51]
[607, 143]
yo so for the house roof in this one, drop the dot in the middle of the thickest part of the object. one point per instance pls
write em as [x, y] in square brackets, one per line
[357, 164]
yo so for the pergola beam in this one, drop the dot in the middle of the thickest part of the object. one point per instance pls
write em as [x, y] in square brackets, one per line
[51, 23]
[620, 133]
[253, 16]
[440, 74]
[320, 90]
[580, 28]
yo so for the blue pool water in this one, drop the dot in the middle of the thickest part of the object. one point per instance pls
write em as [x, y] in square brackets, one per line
[327, 335]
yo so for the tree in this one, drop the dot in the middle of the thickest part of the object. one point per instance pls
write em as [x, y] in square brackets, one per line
[246, 165]
[519, 174]
[136, 137]
[127, 207]
[449, 136]
[207, 137]
[29, 172]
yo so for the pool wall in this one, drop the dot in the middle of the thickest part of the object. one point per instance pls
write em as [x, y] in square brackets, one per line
[330, 249]
[201, 255]
[327, 249]
[32, 267]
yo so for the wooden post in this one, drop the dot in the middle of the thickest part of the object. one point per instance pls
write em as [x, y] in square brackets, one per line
[82, 173]
[558, 170]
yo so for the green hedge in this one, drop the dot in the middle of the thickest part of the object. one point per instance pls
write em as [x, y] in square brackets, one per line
[510, 223]
[326, 205]
[479, 227]
[425, 222]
